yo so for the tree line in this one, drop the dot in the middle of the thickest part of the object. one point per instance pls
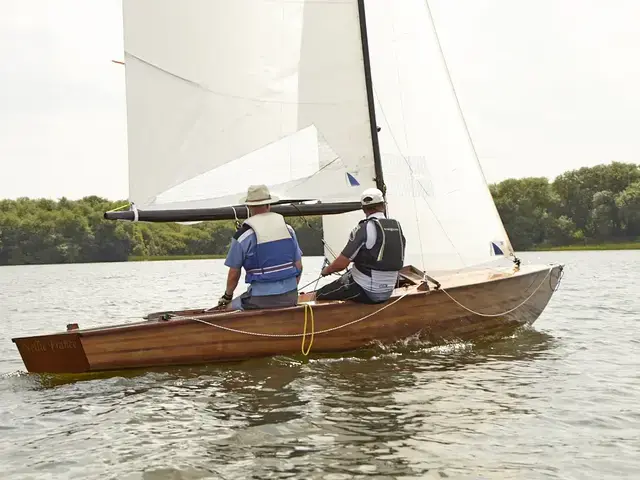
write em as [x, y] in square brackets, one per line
[589, 205]
[34, 231]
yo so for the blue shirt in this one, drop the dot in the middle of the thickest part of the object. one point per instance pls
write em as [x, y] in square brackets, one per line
[246, 244]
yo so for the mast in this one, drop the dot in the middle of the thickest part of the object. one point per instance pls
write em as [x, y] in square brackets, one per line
[377, 161]
[230, 213]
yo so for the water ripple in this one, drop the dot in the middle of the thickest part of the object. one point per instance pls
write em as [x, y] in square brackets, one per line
[558, 401]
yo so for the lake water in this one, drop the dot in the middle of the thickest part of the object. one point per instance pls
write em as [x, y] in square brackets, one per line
[560, 400]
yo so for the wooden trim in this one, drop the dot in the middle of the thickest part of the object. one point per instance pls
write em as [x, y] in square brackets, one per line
[430, 315]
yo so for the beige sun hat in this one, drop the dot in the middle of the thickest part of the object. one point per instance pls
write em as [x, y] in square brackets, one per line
[259, 195]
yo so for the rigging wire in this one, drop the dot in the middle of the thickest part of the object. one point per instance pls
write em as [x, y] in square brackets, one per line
[326, 245]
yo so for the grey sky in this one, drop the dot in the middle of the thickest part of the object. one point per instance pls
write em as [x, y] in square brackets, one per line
[545, 85]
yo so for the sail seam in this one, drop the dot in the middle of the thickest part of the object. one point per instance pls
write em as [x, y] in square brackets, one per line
[306, 179]
[226, 95]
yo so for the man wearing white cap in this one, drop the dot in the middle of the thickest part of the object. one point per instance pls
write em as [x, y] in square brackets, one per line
[376, 247]
[268, 250]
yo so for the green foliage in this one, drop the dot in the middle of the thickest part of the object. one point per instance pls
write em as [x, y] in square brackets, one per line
[591, 204]
[34, 231]
[583, 207]
[628, 203]
[524, 207]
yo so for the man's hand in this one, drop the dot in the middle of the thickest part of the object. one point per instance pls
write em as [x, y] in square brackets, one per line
[224, 300]
[338, 264]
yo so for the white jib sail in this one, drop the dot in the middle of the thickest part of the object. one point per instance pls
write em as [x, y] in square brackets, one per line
[436, 187]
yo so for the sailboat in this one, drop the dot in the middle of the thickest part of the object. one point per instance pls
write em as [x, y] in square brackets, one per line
[318, 99]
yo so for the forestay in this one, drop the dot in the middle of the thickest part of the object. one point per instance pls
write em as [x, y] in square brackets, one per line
[225, 93]
[435, 185]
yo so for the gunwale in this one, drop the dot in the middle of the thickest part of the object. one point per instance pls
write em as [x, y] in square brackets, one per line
[191, 338]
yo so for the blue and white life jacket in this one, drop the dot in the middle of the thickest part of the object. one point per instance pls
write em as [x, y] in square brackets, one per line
[275, 255]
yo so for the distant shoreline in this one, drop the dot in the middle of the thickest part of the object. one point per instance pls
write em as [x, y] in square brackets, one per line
[160, 258]
[599, 246]
[151, 258]
[596, 246]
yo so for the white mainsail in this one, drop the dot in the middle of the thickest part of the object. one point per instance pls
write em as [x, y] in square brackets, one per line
[225, 93]
[222, 94]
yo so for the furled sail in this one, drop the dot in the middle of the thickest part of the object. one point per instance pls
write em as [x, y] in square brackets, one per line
[222, 94]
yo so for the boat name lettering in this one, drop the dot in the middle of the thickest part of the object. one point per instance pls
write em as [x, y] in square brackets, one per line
[62, 344]
[51, 345]
[36, 346]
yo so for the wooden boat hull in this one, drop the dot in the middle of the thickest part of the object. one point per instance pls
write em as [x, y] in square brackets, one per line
[193, 337]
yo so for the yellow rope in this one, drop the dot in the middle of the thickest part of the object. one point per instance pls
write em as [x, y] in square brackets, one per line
[287, 335]
[308, 308]
[120, 208]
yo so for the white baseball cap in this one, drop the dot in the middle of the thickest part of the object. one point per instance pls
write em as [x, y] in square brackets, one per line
[371, 196]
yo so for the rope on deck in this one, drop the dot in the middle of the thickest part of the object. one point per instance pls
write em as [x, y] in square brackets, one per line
[308, 307]
[505, 312]
[293, 335]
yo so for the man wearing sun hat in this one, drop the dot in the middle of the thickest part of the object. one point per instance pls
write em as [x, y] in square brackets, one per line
[376, 247]
[267, 248]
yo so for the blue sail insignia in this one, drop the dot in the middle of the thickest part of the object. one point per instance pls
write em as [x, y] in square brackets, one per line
[495, 249]
[352, 180]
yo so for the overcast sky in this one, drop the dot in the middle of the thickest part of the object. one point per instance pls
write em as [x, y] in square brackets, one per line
[545, 85]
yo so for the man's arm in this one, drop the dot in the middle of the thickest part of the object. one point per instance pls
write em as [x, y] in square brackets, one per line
[298, 253]
[233, 277]
[234, 261]
[299, 267]
[357, 239]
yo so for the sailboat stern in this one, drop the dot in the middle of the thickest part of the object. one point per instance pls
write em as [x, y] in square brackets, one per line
[57, 353]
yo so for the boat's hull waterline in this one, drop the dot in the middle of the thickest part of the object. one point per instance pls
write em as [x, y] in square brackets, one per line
[500, 301]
